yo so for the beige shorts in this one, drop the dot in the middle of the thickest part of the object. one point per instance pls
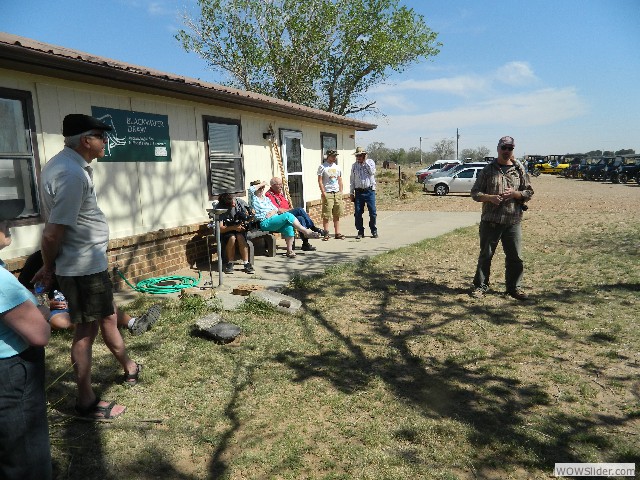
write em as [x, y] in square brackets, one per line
[332, 205]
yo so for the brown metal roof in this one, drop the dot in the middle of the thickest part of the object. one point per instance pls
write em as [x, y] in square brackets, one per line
[27, 55]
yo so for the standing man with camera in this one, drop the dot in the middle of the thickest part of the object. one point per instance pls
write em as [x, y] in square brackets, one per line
[233, 231]
[503, 187]
[363, 191]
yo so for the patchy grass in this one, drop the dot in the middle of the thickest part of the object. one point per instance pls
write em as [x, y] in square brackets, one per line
[392, 371]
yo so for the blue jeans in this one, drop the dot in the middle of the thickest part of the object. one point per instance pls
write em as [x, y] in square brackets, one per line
[25, 452]
[281, 223]
[303, 217]
[367, 197]
[511, 238]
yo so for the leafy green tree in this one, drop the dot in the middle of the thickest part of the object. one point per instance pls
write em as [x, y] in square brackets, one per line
[324, 54]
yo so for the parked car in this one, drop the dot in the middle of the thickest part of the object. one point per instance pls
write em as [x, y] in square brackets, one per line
[451, 171]
[628, 168]
[530, 161]
[574, 166]
[554, 164]
[459, 182]
[596, 171]
[584, 167]
[421, 175]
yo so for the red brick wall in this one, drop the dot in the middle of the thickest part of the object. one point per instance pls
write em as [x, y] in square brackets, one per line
[153, 254]
[314, 209]
[164, 252]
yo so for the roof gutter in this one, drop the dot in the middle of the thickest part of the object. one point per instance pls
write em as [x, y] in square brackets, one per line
[101, 71]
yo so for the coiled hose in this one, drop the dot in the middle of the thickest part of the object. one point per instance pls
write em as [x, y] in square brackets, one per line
[163, 285]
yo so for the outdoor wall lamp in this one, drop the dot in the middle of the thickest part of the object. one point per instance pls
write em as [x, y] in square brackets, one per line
[268, 136]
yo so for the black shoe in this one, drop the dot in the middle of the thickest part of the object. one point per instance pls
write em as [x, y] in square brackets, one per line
[145, 321]
[518, 294]
[307, 247]
[248, 268]
[374, 235]
[228, 268]
[359, 235]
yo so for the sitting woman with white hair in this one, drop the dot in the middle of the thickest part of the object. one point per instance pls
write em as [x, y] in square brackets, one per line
[272, 221]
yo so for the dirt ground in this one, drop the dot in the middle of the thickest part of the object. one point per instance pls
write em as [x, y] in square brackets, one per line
[552, 194]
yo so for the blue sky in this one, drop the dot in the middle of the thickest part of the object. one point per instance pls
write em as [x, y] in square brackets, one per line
[561, 76]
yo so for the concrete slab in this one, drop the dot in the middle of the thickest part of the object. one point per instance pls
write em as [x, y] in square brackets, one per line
[395, 229]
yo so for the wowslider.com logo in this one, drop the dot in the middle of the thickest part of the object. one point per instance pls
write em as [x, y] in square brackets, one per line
[595, 470]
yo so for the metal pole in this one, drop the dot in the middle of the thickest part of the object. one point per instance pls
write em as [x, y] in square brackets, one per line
[420, 150]
[219, 250]
[457, 139]
[399, 183]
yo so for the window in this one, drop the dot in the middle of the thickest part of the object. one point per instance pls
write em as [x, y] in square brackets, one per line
[18, 159]
[329, 141]
[468, 173]
[225, 167]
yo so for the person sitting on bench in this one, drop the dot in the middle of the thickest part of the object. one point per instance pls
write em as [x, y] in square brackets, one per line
[280, 201]
[233, 232]
[272, 221]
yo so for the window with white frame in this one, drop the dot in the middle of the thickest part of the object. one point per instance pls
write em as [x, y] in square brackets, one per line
[225, 165]
[18, 158]
[329, 141]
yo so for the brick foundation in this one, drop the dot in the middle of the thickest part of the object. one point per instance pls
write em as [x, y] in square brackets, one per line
[164, 252]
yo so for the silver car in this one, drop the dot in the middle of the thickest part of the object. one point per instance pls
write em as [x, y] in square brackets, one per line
[458, 182]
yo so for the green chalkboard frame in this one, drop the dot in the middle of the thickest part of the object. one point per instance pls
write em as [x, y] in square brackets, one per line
[136, 136]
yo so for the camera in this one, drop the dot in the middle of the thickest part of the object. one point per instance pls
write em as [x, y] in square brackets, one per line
[524, 207]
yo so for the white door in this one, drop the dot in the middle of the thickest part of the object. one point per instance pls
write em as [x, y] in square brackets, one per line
[463, 181]
[291, 141]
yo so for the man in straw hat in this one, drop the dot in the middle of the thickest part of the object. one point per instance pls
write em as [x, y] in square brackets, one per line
[363, 191]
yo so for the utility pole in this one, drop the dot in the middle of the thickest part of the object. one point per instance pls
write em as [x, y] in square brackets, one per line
[426, 138]
[457, 140]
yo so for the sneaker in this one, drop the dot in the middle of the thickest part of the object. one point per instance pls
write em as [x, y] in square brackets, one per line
[307, 247]
[145, 321]
[248, 268]
[374, 235]
[518, 294]
[479, 292]
[360, 235]
[228, 268]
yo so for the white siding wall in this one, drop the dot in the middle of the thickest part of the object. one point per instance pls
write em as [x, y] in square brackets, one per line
[148, 196]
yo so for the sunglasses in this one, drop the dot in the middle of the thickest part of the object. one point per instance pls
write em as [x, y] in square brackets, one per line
[101, 136]
[504, 147]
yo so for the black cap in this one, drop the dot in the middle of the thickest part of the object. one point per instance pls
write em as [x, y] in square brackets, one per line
[76, 123]
[10, 209]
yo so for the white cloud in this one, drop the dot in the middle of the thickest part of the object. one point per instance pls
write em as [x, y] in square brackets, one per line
[513, 73]
[516, 74]
[540, 108]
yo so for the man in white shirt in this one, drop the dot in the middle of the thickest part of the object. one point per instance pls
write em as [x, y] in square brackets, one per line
[363, 191]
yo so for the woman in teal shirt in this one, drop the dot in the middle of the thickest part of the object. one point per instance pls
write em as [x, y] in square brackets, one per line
[272, 221]
[25, 452]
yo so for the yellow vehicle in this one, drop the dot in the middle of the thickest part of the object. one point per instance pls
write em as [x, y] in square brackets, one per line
[554, 164]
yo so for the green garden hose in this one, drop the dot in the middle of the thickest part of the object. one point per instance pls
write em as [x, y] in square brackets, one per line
[163, 285]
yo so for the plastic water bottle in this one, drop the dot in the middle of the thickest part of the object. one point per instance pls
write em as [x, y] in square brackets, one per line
[58, 296]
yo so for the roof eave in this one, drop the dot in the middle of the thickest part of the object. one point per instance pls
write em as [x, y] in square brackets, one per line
[103, 73]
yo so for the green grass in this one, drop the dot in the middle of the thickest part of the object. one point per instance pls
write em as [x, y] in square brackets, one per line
[391, 372]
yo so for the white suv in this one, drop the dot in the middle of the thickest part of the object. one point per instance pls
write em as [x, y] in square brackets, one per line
[459, 182]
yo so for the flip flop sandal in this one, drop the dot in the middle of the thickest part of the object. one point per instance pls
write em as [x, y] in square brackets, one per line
[325, 238]
[291, 254]
[96, 412]
[339, 236]
[131, 379]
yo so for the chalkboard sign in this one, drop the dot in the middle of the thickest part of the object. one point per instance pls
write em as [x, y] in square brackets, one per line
[136, 136]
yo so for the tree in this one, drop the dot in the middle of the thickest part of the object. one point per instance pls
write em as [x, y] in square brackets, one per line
[324, 54]
[445, 148]
[476, 154]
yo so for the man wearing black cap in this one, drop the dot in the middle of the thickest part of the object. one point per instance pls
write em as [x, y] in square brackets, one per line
[503, 187]
[74, 247]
